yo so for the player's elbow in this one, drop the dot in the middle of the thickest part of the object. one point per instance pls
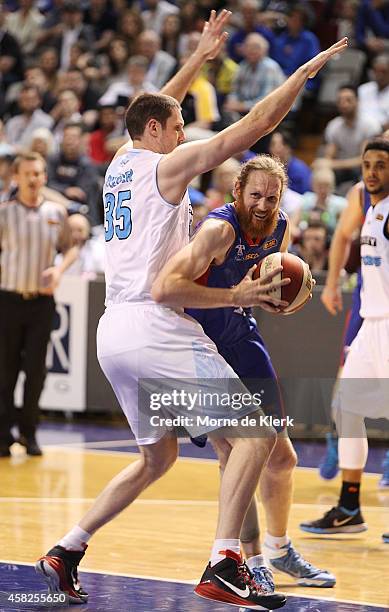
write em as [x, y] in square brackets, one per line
[157, 292]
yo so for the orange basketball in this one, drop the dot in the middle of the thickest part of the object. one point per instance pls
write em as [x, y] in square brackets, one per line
[298, 291]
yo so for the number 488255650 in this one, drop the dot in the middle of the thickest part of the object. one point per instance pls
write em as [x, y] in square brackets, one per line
[117, 215]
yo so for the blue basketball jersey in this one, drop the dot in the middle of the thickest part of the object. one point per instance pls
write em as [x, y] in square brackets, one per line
[229, 326]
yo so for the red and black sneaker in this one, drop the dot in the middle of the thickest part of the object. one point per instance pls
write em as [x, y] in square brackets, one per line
[59, 569]
[231, 581]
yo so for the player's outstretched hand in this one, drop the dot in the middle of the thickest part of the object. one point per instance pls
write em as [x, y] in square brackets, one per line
[258, 292]
[317, 62]
[332, 299]
[213, 37]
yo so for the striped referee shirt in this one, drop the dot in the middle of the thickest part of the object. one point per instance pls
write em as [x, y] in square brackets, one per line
[28, 243]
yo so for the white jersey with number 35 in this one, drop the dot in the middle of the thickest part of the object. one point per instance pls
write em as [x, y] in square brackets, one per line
[142, 230]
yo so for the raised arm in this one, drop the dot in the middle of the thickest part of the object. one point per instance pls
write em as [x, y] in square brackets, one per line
[176, 286]
[212, 39]
[351, 219]
[178, 168]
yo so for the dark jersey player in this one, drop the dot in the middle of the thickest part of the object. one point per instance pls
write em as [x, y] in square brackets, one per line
[223, 252]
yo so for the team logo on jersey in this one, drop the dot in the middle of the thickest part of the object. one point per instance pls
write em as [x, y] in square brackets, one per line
[369, 240]
[251, 256]
[379, 217]
[270, 244]
[240, 248]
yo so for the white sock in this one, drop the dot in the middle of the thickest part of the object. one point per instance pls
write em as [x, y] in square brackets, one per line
[220, 546]
[76, 539]
[256, 561]
[275, 543]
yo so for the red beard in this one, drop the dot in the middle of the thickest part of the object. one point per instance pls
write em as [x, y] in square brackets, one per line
[256, 229]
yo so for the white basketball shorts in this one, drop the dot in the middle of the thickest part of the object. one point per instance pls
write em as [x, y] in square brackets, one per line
[147, 350]
[364, 383]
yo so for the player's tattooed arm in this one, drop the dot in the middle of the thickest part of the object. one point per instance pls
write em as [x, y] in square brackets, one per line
[176, 284]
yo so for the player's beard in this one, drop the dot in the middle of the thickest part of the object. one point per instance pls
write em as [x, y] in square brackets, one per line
[256, 228]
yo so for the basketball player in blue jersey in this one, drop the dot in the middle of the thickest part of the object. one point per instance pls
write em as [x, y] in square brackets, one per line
[368, 354]
[146, 223]
[230, 240]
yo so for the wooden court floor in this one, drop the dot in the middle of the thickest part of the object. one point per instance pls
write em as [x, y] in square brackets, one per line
[167, 533]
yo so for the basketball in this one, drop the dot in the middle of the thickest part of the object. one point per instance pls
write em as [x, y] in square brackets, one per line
[298, 291]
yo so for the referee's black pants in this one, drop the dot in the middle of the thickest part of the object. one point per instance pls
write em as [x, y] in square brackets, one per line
[25, 326]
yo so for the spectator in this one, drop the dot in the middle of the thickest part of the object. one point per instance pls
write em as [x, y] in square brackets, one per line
[90, 260]
[314, 246]
[49, 62]
[249, 10]
[33, 75]
[118, 54]
[222, 184]
[19, 128]
[344, 137]
[102, 142]
[296, 45]
[7, 185]
[119, 93]
[372, 25]
[130, 25]
[67, 110]
[221, 72]
[11, 59]
[103, 21]
[156, 12]
[72, 174]
[24, 24]
[171, 37]
[299, 174]
[42, 142]
[160, 64]
[321, 204]
[28, 281]
[374, 96]
[86, 92]
[256, 77]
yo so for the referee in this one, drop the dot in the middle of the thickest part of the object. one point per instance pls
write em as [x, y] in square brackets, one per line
[32, 230]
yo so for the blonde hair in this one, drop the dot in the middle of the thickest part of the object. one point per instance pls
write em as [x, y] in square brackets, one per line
[324, 175]
[264, 163]
[28, 156]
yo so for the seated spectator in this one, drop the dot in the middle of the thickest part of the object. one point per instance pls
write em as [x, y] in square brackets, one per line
[119, 93]
[374, 95]
[296, 45]
[255, 78]
[118, 54]
[161, 65]
[344, 137]
[7, 186]
[42, 142]
[33, 75]
[90, 260]
[249, 11]
[67, 110]
[372, 26]
[171, 36]
[18, 129]
[24, 24]
[221, 72]
[314, 246]
[87, 93]
[130, 25]
[102, 142]
[102, 19]
[11, 59]
[71, 173]
[321, 204]
[156, 12]
[222, 184]
[299, 174]
[48, 61]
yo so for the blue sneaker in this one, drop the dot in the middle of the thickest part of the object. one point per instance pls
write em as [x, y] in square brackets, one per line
[328, 466]
[263, 577]
[385, 537]
[288, 561]
[384, 482]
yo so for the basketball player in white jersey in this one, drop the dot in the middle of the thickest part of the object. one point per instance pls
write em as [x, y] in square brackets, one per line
[364, 384]
[143, 345]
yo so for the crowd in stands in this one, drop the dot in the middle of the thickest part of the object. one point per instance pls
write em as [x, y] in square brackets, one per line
[68, 69]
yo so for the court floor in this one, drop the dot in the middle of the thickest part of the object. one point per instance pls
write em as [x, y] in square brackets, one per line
[150, 556]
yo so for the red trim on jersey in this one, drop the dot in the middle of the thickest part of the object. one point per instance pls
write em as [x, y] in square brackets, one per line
[250, 241]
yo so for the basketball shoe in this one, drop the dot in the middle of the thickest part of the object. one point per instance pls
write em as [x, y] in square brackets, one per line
[288, 561]
[59, 569]
[230, 581]
[384, 482]
[337, 520]
[385, 537]
[328, 466]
